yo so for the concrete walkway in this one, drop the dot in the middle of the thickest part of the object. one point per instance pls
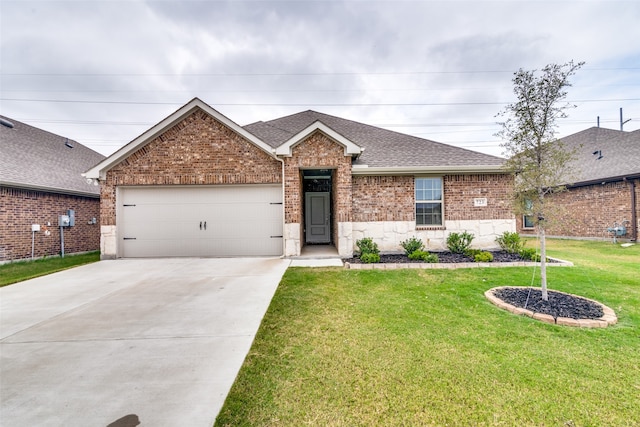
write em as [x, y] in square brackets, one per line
[157, 342]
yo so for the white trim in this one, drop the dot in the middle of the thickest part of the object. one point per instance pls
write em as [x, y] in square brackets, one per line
[350, 149]
[416, 170]
[100, 170]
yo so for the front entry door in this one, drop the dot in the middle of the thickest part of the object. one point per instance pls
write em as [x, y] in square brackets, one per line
[317, 218]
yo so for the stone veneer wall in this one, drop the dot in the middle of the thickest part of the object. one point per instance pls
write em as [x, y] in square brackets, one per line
[587, 212]
[20, 208]
[317, 151]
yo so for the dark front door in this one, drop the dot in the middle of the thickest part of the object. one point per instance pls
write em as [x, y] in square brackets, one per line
[317, 220]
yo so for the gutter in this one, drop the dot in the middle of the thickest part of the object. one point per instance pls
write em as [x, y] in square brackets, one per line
[49, 189]
[417, 170]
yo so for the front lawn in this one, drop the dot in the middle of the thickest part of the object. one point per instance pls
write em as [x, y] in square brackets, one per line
[23, 270]
[424, 347]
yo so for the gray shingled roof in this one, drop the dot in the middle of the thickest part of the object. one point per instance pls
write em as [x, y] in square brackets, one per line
[620, 154]
[36, 159]
[383, 148]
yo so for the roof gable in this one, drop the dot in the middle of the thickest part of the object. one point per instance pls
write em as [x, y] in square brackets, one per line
[99, 171]
[350, 149]
[33, 158]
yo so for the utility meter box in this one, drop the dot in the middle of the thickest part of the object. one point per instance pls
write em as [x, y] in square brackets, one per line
[72, 217]
[63, 220]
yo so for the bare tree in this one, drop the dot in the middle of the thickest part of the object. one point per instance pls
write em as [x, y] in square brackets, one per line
[541, 163]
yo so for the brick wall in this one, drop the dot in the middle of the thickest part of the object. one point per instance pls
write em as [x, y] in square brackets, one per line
[383, 198]
[391, 198]
[199, 150]
[587, 211]
[461, 190]
[20, 208]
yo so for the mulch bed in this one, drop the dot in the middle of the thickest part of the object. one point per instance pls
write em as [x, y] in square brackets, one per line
[443, 257]
[558, 305]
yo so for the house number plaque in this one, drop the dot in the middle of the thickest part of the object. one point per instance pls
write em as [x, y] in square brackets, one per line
[480, 202]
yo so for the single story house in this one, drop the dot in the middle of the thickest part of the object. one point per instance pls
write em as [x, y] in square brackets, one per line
[198, 184]
[605, 189]
[40, 180]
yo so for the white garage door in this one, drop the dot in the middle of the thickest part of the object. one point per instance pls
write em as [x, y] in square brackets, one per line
[237, 220]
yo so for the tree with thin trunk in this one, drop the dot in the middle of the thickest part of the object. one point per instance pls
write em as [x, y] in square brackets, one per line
[540, 162]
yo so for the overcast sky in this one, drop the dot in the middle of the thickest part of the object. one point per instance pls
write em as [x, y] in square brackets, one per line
[102, 72]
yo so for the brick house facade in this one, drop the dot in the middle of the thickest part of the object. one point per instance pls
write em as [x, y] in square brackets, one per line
[199, 147]
[40, 179]
[604, 189]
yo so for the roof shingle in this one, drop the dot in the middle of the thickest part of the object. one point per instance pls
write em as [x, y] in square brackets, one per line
[37, 159]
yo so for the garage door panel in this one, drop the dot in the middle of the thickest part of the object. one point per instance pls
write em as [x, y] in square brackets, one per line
[200, 221]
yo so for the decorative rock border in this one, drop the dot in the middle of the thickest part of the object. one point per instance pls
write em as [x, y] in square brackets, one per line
[609, 317]
[452, 266]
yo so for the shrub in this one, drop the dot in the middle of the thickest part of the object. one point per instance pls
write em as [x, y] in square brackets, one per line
[370, 258]
[424, 256]
[367, 246]
[530, 254]
[471, 253]
[458, 243]
[483, 256]
[411, 245]
[510, 242]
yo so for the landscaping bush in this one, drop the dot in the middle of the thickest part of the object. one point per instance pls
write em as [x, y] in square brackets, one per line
[424, 256]
[471, 253]
[510, 242]
[369, 252]
[367, 246]
[370, 258]
[458, 243]
[530, 254]
[483, 256]
[412, 245]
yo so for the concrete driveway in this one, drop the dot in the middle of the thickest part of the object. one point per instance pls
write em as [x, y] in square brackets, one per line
[114, 343]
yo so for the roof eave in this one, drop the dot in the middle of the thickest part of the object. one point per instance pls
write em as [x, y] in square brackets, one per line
[424, 170]
[100, 170]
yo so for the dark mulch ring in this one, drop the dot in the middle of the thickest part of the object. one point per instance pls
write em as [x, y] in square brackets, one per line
[558, 305]
[443, 257]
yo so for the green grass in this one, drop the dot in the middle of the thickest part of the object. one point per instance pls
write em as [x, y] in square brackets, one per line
[424, 347]
[23, 270]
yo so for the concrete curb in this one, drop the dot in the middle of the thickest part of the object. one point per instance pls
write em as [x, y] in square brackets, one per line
[453, 266]
[609, 317]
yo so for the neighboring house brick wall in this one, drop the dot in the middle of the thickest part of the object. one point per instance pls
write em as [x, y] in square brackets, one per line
[587, 212]
[20, 208]
[317, 151]
[199, 150]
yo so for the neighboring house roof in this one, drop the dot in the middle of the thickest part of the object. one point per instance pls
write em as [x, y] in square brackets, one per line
[382, 148]
[604, 154]
[35, 159]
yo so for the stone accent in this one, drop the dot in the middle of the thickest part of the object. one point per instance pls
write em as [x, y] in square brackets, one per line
[292, 240]
[609, 317]
[108, 242]
[20, 208]
[452, 266]
[586, 212]
[389, 234]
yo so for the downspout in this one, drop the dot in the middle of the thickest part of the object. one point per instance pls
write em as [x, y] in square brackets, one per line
[634, 213]
[284, 219]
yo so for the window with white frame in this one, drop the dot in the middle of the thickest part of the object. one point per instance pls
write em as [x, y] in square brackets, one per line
[428, 201]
